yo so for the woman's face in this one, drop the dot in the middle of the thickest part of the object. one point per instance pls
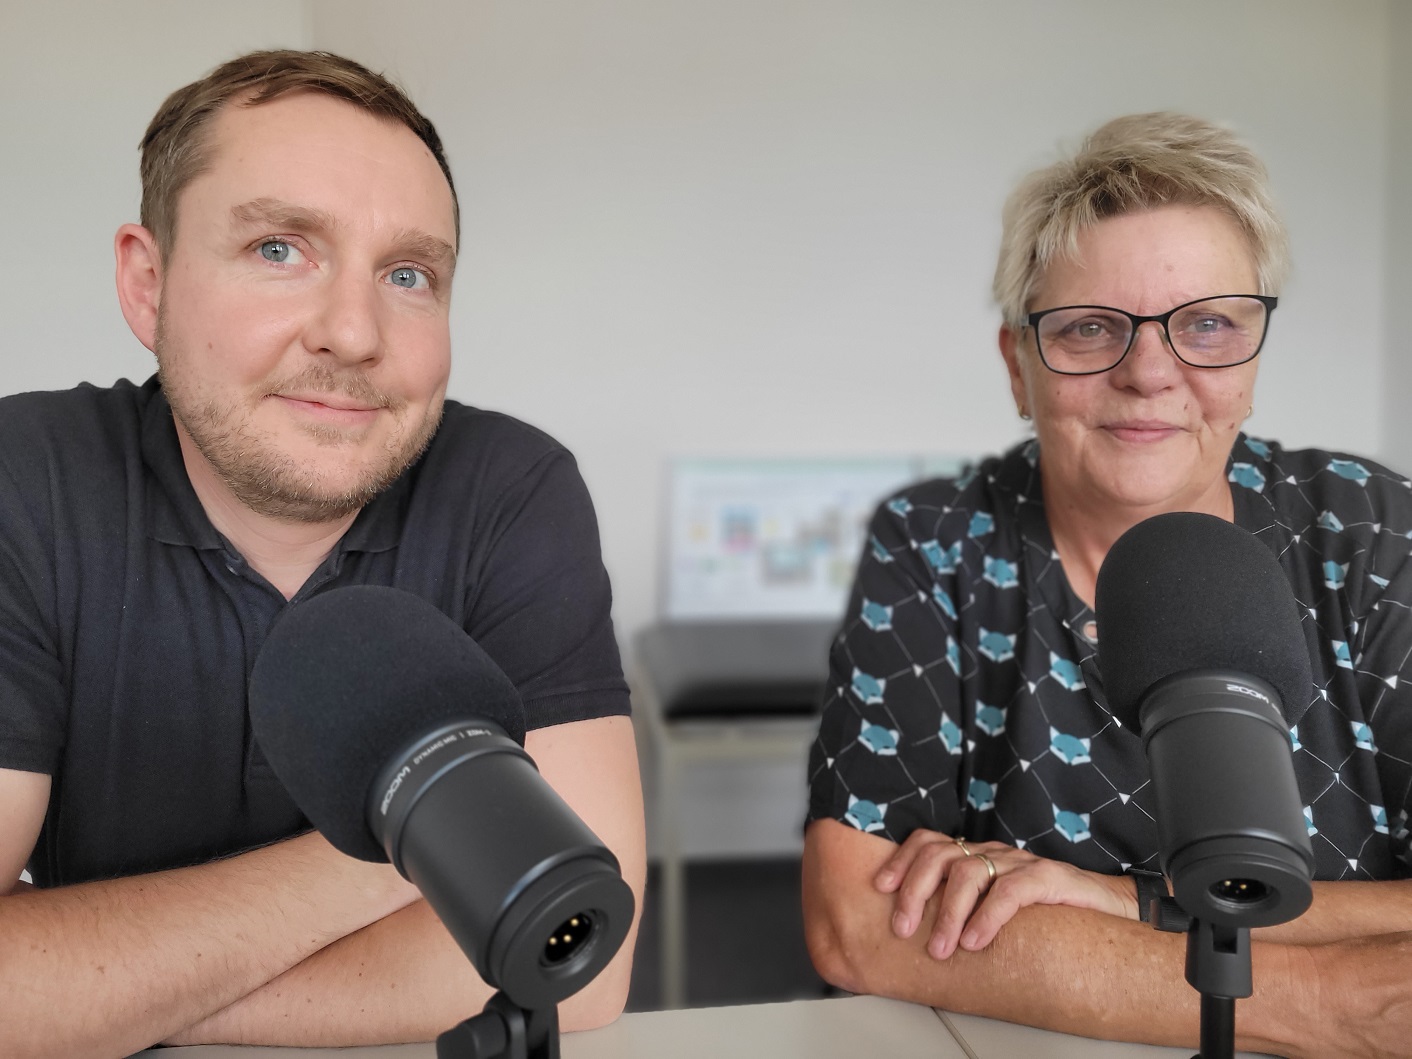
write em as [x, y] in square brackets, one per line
[1152, 434]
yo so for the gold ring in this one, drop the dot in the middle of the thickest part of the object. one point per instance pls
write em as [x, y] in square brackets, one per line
[964, 848]
[989, 866]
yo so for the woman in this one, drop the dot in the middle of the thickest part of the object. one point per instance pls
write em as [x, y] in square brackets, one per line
[975, 814]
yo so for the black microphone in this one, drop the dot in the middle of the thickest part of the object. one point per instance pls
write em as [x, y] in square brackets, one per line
[400, 740]
[1201, 651]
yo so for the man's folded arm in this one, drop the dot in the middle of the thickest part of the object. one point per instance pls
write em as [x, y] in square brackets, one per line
[108, 968]
[1097, 975]
[404, 978]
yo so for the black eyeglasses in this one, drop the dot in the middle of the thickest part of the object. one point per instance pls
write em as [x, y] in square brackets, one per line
[1218, 332]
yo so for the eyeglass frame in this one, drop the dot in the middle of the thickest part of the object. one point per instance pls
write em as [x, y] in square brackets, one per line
[1268, 300]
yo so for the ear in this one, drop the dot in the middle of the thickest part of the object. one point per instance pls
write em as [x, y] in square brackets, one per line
[1010, 350]
[139, 276]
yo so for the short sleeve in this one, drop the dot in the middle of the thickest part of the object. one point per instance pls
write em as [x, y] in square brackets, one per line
[541, 603]
[1382, 661]
[1341, 526]
[889, 751]
[32, 696]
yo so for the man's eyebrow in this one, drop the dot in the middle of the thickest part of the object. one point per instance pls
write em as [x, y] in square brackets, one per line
[278, 215]
[274, 213]
[415, 243]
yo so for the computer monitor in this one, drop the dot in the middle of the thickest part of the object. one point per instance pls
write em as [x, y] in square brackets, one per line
[751, 539]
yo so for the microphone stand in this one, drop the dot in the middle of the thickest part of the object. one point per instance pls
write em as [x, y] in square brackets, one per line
[504, 1030]
[1217, 966]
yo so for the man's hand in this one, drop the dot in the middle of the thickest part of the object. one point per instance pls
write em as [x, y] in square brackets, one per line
[983, 885]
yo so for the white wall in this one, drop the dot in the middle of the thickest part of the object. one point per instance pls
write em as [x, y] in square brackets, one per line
[703, 227]
[79, 82]
[728, 226]
[743, 227]
[1397, 374]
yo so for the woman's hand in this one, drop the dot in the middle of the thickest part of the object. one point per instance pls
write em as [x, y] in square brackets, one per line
[982, 885]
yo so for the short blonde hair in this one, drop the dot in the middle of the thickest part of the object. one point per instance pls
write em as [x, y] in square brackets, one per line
[176, 147]
[1135, 163]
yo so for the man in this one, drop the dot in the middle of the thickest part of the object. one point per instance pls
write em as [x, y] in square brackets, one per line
[292, 274]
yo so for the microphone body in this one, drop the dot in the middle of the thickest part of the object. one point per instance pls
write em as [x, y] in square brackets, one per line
[1229, 822]
[1201, 651]
[515, 876]
[401, 741]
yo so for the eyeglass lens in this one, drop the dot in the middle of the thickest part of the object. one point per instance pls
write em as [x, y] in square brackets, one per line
[1211, 334]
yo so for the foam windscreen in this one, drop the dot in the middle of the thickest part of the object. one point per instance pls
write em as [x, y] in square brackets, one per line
[351, 676]
[1187, 591]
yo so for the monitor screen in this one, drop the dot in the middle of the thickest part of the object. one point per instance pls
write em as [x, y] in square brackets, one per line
[751, 538]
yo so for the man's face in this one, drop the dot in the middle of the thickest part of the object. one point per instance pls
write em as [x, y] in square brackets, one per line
[302, 331]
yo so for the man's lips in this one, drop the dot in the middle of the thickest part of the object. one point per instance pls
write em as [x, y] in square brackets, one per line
[331, 407]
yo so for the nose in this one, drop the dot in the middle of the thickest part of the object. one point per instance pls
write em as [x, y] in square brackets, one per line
[346, 322]
[1150, 365]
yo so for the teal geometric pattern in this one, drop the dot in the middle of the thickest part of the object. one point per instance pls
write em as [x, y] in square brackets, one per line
[957, 700]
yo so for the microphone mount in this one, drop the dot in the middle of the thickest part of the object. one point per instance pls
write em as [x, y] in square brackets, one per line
[1217, 967]
[503, 1030]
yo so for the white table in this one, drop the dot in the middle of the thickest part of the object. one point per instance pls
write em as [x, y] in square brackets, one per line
[862, 1027]
[991, 1039]
[846, 1028]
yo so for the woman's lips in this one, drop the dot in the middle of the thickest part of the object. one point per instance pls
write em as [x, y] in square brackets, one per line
[1141, 430]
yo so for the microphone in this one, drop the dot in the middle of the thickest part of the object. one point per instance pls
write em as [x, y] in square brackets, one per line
[1201, 651]
[401, 740]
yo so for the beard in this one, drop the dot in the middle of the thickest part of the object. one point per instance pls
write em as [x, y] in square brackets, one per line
[269, 480]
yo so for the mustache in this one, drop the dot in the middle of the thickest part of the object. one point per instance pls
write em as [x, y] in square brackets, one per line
[351, 384]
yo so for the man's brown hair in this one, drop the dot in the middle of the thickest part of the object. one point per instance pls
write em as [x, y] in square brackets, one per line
[176, 149]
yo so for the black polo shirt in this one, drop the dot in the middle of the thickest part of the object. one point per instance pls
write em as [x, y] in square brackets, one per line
[128, 624]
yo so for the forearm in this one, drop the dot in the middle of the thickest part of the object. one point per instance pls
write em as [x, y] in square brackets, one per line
[403, 978]
[400, 979]
[1061, 968]
[1081, 972]
[108, 968]
[1054, 966]
[1345, 910]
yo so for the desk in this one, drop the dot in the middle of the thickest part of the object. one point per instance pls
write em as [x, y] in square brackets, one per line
[811, 1029]
[991, 1039]
[844, 1028]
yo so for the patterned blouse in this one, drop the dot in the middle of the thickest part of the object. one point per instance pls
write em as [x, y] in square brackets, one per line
[957, 701]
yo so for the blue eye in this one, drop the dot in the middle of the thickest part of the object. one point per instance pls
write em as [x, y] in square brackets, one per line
[409, 278]
[277, 251]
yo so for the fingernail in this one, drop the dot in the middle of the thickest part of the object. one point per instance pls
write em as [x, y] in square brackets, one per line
[885, 878]
[969, 939]
[901, 925]
[940, 949]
